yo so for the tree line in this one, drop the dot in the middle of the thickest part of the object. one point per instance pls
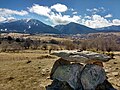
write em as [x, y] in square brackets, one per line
[106, 43]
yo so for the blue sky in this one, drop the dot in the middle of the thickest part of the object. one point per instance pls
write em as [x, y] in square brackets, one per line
[91, 13]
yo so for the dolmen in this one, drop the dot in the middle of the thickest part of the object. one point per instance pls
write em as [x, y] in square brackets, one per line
[79, 71]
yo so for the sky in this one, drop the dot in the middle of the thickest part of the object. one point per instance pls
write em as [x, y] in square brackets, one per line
[91, 13]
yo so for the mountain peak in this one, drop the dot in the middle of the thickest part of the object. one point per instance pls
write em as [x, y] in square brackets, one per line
[28, 26]
[72, 23]
[74, 28]
[29, 20]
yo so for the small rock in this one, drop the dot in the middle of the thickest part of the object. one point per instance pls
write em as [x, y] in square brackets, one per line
[115, 63]
[43, 72]
[47, 70]
[107, 70]
[115, 73]
[10, 78]
[118, 84]
[39, 67]
[28, 61]
[48, 77]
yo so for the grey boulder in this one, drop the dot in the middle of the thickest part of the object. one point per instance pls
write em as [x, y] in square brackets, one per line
[70, 74]
[91, 76]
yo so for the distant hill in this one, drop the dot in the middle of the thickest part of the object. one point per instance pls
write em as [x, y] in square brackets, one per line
[74, 28]
[27, 26]
[112, 28]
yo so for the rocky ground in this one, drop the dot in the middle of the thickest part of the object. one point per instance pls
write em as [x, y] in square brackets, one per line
[30, 70]
[112, 69]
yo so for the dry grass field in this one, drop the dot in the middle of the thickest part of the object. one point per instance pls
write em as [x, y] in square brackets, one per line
[25, 71]
[29, 70]
[112, 69]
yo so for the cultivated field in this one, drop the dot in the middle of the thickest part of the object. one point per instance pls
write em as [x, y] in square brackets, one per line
[30, 69]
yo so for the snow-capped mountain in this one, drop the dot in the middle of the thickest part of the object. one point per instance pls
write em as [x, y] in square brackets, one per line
[27, 26]
[35, 26]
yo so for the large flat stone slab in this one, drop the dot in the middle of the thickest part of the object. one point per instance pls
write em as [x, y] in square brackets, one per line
[83, 56]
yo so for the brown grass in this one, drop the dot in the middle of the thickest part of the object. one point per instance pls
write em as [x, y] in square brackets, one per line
[17, 74]
[112, 68]
[29, 70]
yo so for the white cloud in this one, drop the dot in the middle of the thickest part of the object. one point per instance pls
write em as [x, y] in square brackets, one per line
[59, 19]
[93, 21]
[108, 16]
[10, 18]
[41, 10]
[102, 9]
[97, 21]
[63, 19]
[96, 10]
[2, 19]
[76, 19]
[87, 17]
[9, 12]
[59, 7]
[72, 9]
[74, 13]
[55, 17]
[116, 22]
[89, 10]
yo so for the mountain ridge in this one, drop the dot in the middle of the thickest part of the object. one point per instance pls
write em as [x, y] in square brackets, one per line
[35, 26]
[28, 26]
[112, 28]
